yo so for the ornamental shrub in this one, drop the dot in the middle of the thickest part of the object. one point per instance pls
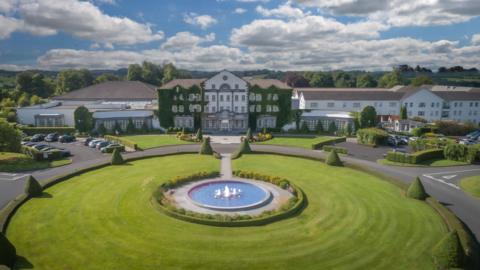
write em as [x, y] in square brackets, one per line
[248, 136]
[372, 136]
[206, 148]
[339, 150]
[333, 159]
[8, 253]
[448, 253]
[32, 187]
[117, 158]
[245, 147]
[460, 152]
[416, 190]
[130, 126]
[199, 135]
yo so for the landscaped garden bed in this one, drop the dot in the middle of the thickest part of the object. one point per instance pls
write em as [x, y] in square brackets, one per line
[18, 162]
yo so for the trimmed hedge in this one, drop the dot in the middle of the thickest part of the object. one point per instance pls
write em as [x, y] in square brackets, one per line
[415, 158]
[117, 158]
[8, 253]
[333, 159]
[416, 190]
[317, 146]
[39, 155]
[33, 187]
[460, 152]
[243, 149]
[372, 136]
[121, 140]
[340, 150]
[206, 148]
[448, 253]
[45, 130]
[293, 206]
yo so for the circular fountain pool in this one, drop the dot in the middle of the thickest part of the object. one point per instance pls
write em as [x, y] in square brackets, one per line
[228, 195]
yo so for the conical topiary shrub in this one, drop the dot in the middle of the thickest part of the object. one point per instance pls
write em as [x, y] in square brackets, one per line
[199, 135]
[416, 190]
[448, 253]
[8, 253]
[32, 187]
[245, 147]
[206, 148]
[333, 159]
[248, 136]
[117, 158]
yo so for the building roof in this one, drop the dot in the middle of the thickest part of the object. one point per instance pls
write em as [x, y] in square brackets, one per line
[355, 94]
[331, 114]
[113, 91]
[262, 83]
[122, 114]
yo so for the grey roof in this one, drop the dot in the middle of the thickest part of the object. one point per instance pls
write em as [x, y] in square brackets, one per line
[113, 91]
[185, 83]
[267, 83]
[262, 83]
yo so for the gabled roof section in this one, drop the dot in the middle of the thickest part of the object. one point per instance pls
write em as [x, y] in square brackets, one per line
[267, 83]
[185, 83]
[349, 94]
[113, 91]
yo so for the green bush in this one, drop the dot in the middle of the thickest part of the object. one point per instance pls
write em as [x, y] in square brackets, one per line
[32, 187]
[415, 158]
[45, 130]
[460, 152]
[117, 158]
[429, 143]
[206, 148]
[110, 150]
[8, 253]
[248, 136]
[340, 150]
[199, 135]
[372, 136]
[243, 149]
[333, 159]
[448, 253]
[328, 142]
[121, 140]
[418, 132]
[416, 190]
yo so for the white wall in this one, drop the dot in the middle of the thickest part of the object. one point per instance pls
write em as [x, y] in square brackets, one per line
[424, 104]
[383, 107]
[236, 87]
[26, 116]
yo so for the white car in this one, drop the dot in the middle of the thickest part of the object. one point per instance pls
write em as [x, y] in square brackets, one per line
[93, 143]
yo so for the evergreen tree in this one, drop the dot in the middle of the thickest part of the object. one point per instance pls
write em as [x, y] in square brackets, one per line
[389, 80]
[403, 113]
[32, 187]
[117, 158]
[416, 190]
[206, 148]
[368, 117]
[248, 136]
[134, 72]
[130, 126]
[332, 127]
[117, 129]
[145, 128]
[83, 119]
[333, 159]
[245, 147]
[448, 253]
[199, 135]
[8, 253]
[304, 127]
[319, 127]
[101, 129]
[349, 129]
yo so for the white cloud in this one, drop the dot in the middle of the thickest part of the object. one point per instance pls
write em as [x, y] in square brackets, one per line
[186, 40]
[404, 12]
[476, 39]
[82, 20]
[14, 67]
[7, 6]
[239, 10]
[286, 10]
[203, 21]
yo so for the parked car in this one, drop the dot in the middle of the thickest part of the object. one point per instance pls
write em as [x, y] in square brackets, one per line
[66, 138]
[52, 137]
[109, 148]
[40, 146]
[475, 133]
[37, 138]
[392, 141]
[92, 143]
[87, 141]
[102, 144]
[29, 144]
[64, 152]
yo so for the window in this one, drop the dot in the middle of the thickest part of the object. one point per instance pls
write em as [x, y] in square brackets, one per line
[275, 108]
[180, 108]
[236, 97]
[461, 104]
[314, 105]
[422, 105]
[330, 104]
[275, 97]
[221, 108]
[471, 104]
[259, 108]
[213, 109]
[258, 97]
[236, 86]
[476, 104]
[393, 104]
[269, 108]
[213, 86]
[236, 108]
[411, 104]
[206, 97]
[228, 97]
[252, 108]
[252, 97]
[433, 105]
[356, 105]
[243, 97]
[213, 97]
[269, 97]
[421, 113]
[206, 109]
[455, 104]
[174, 108]
[344, 105]
[243, 109]
[380, 104]
[221, 97]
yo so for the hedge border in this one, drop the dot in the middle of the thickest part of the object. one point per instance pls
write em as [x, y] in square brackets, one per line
[7, 212]
[298, 207]
[331, 141]
[340, 150]
[120, 140]
[44, 130]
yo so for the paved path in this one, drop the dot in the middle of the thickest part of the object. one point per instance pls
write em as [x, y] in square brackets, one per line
[464, 206]
[226, 166]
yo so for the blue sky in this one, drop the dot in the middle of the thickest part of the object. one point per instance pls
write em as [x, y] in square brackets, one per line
[239, 34]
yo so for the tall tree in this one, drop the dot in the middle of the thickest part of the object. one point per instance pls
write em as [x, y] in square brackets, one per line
[365, 81]
[24, 82]
[343, 80]
[389, 80]
[10, 138]
[106, 77]
[403, 113]
[42, 86]
[134, 72]
[151, 73]
[295, 79]
[83, 119]
[72, 79]
[368, 117]
[170, 73]
[421, 80]
[321, 79]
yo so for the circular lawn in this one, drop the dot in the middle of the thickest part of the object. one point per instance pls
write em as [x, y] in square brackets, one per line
[104, 219]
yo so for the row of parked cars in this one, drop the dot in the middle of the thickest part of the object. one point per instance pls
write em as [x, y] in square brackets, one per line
[47, 149]
[471, 138]
[103, 145]
[397, 140]
[53, 137]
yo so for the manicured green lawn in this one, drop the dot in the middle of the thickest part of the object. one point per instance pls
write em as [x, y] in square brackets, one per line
[104, 220]
[471, 185]
[296, 142]
[17, 162]
[151, 141]
[428, 163]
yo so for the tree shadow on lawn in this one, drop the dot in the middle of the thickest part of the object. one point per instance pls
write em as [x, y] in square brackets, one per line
[23, 263]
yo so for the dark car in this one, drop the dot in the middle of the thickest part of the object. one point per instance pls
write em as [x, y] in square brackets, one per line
[87, 141]
[38, 138]
[52, 137]
[66, 138]
[100, 145]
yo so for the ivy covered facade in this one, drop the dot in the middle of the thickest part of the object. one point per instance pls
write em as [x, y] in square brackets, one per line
[224, 103]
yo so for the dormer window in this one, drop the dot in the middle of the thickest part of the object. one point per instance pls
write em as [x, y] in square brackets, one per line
[225, 77]
[213, 86]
